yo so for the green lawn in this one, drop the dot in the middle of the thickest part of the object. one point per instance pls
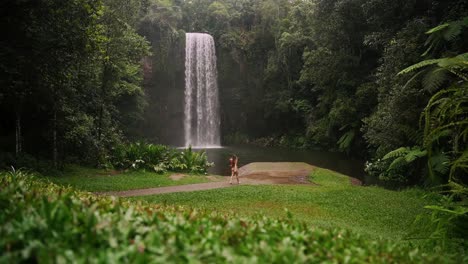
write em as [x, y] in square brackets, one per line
[44, 223]
[334, 202]
[371, 211]
[95, 180]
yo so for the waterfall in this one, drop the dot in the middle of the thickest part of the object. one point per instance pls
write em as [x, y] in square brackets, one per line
[202, 122]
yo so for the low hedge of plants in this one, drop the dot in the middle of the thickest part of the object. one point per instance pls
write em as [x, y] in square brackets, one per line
[158, 158]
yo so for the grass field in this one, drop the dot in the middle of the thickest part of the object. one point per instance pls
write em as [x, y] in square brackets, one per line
[44, 223]
[96, 180]
[371, 211]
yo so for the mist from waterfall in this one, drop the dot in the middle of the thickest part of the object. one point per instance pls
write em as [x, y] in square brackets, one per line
[202, 121]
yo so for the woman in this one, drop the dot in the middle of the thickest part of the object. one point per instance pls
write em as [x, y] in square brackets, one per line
[233, 160]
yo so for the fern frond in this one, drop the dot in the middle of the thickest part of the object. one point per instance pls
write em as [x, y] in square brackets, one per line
[412, 79]
[457, 188]
[427, 113]
[413, 135]
[434, 79]
[438, 28]
[400, 152]
[459, 61]
[397, 163]
[461, 163]
[415, 154]
[346, 140]
[419, 65]
[459, 74]
[452, 31]
[440, 163]
[435, 136]
[464, 134]
[444, 32]
[432, 43]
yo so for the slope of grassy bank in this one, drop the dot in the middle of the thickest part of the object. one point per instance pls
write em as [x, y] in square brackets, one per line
[42, 222]
[96, 180]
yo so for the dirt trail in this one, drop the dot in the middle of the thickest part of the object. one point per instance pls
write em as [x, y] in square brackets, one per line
[276, 173]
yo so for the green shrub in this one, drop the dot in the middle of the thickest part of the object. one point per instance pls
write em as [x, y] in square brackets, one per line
[159, 158]
[191, 161]
[42, 222]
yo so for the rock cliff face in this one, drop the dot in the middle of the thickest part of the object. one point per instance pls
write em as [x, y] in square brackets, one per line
[164, 88]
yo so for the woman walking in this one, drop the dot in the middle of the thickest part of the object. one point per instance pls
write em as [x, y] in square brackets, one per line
[233, 160]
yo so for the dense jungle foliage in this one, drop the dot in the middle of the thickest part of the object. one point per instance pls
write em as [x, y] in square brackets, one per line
[82, 80]
[79, 77]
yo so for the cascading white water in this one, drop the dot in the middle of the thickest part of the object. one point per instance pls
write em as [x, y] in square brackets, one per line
[202, 122]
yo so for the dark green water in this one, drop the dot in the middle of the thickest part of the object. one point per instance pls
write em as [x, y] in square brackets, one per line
[247, 154]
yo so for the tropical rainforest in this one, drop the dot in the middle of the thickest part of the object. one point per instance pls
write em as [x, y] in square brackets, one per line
[383, 81]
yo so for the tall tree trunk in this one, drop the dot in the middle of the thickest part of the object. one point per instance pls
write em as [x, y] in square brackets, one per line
[54, 143]
[18, 145]
[100, 116]
[104, 83]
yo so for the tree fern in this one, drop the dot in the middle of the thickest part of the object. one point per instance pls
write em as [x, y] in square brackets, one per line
[444, 32]
[445, 117]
